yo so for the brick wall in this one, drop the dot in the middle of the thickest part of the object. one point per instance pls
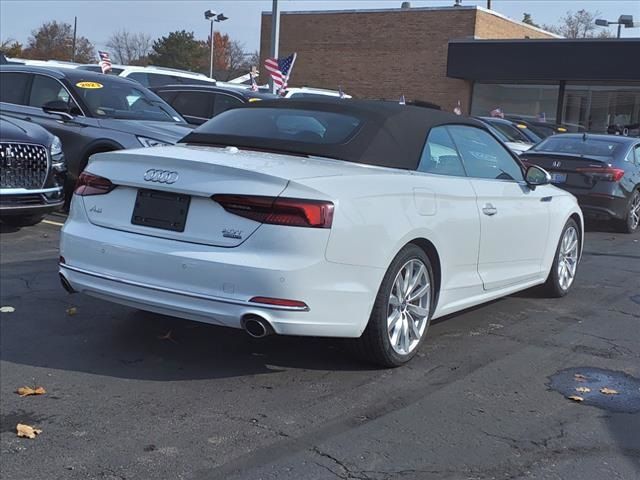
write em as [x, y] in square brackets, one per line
[381, 54]
[489, 26]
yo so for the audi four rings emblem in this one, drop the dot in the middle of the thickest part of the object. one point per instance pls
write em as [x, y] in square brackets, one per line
[160, 176]
[556, 164]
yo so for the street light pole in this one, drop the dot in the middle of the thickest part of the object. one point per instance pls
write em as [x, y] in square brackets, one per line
[213, 17]
[275, 37]
[211, 60]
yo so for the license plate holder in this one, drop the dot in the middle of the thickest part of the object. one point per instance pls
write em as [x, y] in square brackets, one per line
[163, 210]
[558, 177]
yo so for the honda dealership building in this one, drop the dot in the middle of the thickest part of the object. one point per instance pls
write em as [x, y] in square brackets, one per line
[467, 55]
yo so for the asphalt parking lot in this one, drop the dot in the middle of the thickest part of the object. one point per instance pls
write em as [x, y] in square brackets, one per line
[132, 395]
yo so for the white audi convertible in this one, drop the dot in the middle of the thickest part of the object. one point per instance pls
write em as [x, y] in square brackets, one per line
[344, 218]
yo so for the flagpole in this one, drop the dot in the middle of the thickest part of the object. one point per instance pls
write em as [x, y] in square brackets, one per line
[275, 38]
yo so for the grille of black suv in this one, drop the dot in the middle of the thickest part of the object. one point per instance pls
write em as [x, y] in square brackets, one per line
[22, 165]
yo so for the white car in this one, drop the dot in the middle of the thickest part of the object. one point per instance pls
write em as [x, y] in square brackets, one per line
[356, 219]
[306, 92]
[152, 76]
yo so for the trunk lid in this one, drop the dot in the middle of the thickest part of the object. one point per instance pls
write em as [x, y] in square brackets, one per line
[195, 173]
[574, 171]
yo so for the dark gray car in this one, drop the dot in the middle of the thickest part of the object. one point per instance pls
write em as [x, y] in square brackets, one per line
[32, 172]
[90, 112]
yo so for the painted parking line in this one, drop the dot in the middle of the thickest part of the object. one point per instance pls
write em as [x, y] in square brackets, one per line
[51, 222]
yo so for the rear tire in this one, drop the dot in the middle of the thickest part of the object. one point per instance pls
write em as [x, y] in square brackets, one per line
[631, 223]
[401, 312]
[565, 263]
[22, 220]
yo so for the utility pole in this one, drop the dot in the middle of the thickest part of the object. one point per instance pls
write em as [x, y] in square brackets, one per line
[275, 37]
[73, 46]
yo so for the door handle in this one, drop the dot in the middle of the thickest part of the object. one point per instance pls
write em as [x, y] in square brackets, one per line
[489, 210]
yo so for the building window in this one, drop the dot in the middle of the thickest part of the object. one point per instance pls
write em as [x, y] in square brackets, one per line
[531, 102]
[602, 108]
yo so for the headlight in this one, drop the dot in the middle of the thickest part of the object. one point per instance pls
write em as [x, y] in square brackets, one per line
[57, 157]
[151, 142]
[56, 146]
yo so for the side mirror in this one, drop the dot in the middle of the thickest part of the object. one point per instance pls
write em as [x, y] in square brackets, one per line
[537, 176]
[58, 107]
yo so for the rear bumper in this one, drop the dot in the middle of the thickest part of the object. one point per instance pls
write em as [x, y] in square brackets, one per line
[214, 284]
[601, 206]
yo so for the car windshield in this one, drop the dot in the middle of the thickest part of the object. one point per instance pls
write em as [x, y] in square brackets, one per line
[306, 126]
[578, 146]
[108, 98]
[511, 133]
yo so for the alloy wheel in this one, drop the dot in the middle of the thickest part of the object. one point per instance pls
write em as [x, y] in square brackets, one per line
[634, 212]
[568, 258]
[409, 306]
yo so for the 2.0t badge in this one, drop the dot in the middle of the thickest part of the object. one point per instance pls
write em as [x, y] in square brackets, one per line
[160, 176]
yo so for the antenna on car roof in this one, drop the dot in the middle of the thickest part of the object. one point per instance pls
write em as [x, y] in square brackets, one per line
[584, 137]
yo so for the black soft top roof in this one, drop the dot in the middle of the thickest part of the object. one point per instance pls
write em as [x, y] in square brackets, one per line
[390, 135]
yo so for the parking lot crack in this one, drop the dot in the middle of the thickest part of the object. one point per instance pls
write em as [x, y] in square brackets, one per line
[346, 474]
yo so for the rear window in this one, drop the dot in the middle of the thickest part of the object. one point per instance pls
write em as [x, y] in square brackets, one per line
[578, 146]
[306, 126]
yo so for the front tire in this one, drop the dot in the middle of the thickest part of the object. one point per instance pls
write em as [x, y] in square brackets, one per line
[401, 312]
[22, 220]
[632, 221]
[565, 263]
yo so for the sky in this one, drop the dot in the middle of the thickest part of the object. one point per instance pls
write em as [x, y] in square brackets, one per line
[98, 19]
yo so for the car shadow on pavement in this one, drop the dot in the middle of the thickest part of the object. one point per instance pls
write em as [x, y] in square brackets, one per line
[6, 228]
[52, 329]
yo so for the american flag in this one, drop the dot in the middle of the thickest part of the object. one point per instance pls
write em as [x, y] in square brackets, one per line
[105, 61]
[280, 70]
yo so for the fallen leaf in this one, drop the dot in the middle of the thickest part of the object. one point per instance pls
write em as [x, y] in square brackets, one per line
[608, 391]
[579, 377]
[167, 336]
[583, 389]
[71, 311]
[25, 391]
[575, 398]
[27, 431]
[7, 309]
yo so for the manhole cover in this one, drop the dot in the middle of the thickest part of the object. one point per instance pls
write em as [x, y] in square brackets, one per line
[587, 382]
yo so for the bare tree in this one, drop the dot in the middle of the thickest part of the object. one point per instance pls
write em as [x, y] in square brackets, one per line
[236, 58]
[580, 24]
[11, 47]
[129, 48]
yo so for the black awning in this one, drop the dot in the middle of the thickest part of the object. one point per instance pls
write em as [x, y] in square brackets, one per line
[545, 60]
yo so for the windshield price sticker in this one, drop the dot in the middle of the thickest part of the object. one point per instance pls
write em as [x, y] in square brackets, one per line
[89, 85]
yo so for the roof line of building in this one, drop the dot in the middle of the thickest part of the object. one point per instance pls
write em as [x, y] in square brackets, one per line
[416, 9]
[500, 15]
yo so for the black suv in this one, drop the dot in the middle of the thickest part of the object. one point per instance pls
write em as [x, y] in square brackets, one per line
[199, 103]
[32, 171]
[90, 112]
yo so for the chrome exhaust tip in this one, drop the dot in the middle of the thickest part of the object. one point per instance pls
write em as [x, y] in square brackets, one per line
[256, 327]
[66, 285]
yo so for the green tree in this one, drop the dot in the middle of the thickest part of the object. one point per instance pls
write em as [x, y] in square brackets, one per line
[529, 21]
[54, 41]
[181, 50]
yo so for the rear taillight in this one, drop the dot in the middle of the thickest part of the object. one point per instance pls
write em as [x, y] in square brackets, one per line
[608, 173]
[292, 212]
[90, 184]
